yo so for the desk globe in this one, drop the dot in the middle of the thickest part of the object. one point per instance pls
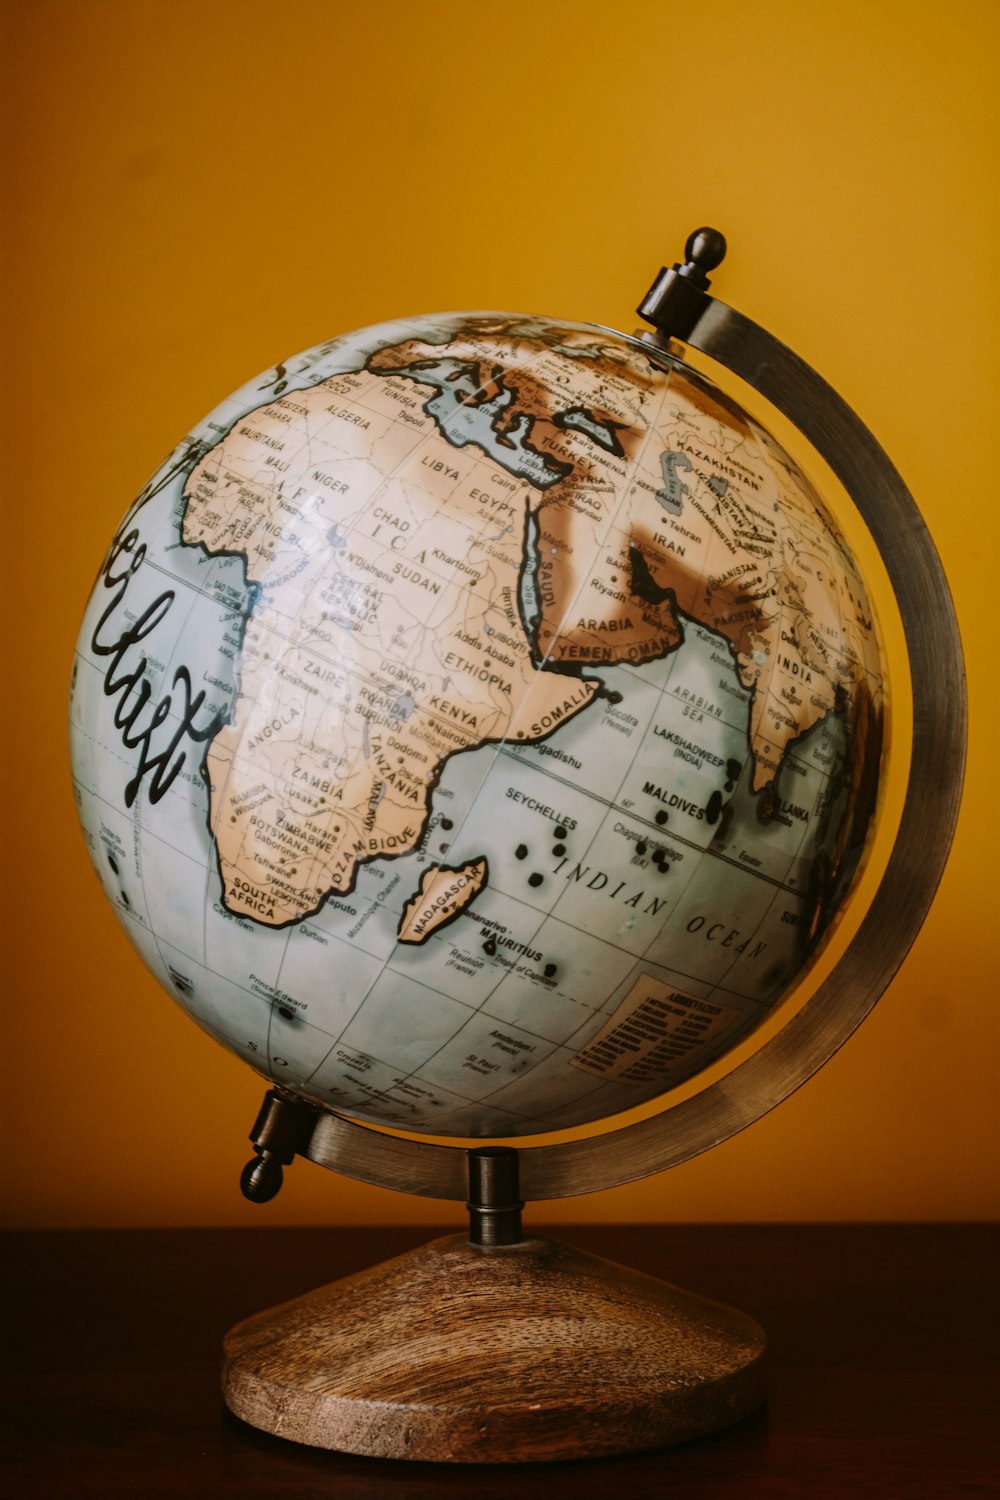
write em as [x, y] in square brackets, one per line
[477, 726]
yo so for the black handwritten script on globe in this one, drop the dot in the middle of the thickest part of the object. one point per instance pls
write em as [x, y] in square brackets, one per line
[477, 724]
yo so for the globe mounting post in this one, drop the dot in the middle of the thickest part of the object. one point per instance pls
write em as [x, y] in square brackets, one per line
[494, 1203]
[679, 295]
[282, 1128]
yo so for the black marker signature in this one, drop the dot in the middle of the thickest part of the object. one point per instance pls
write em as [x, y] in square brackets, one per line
[132, 687]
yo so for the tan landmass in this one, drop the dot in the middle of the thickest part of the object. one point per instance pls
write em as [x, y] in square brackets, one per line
[749, 551]
[384, 639]
[445, 890]
[388, 632]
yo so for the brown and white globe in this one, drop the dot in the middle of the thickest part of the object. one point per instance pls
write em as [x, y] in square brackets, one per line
[476, 724]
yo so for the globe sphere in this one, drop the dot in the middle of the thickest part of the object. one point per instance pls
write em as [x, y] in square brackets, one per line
[476, 724]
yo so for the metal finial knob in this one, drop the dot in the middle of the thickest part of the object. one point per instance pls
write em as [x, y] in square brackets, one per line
[261, 1178]
[678, 296]
[282, 1128]
[705, 249]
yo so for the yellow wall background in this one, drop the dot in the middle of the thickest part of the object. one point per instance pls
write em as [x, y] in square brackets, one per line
[200, 187]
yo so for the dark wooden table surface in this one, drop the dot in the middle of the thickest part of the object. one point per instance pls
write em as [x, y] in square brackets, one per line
[883, 1380]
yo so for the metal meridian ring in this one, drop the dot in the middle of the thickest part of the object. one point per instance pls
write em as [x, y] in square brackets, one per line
[899, 906]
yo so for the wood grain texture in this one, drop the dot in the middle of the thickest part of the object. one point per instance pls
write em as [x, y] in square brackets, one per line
[523, 1353]
[882, 1351]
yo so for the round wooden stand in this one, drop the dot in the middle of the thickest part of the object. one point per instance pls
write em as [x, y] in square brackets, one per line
[494, 1354]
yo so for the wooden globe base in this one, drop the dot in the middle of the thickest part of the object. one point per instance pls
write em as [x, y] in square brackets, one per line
[522, 1353]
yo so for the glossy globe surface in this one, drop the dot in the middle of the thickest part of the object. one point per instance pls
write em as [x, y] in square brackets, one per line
[476, 724]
